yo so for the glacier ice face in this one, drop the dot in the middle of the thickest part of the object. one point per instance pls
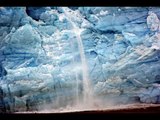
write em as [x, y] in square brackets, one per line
[40, 60]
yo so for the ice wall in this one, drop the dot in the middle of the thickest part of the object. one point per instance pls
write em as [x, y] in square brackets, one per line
[40, 60]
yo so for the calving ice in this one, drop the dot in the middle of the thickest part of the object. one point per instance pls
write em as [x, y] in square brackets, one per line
[78, 58]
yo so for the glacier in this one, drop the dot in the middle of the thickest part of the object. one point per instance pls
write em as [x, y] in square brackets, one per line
[56, 56]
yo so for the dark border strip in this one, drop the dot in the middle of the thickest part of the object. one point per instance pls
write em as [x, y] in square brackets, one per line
[80, 3]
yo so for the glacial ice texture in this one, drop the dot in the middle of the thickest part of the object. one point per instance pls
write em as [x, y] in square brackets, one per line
[41, 58]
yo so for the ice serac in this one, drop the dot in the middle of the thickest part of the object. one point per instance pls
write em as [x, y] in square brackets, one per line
[46, 55]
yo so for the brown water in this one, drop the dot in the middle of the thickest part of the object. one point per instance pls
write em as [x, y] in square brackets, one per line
[96, 108]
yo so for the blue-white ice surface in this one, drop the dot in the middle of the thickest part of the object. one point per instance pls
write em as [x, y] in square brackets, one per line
[39, 55]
